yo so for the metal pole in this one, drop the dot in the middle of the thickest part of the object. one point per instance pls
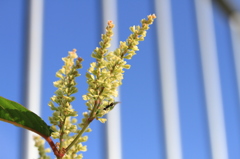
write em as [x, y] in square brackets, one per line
[235, 34]
[211, 79]
[114, 143]
[168, 79]
[33, 86]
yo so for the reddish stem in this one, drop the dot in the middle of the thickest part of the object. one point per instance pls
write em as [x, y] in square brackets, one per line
[54, 148]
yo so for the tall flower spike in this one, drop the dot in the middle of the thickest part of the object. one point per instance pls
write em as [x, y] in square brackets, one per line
[105, 75]
[66, 87]
[97, 73]
[64, 126]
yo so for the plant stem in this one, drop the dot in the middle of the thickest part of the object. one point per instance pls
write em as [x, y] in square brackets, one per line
[79, 135]
[53, 146]
[62, 133]
[87, 122]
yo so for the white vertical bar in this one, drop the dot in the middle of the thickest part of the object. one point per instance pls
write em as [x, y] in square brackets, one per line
[168, 79]
[33, 93]
[235, 34]
[114, 146]
[211, 79]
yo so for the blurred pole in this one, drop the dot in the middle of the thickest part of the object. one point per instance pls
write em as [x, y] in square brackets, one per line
[168, 79]
[211, 79]
[33, 82]
[234, 20]
[113, 128]
[235, 34]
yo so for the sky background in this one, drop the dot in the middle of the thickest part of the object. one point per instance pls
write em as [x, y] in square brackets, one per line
[78, 24]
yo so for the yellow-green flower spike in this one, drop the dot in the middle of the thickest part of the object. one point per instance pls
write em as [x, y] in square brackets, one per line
[106, 74]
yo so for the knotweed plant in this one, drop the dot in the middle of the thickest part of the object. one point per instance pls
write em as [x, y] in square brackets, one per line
[104, 76]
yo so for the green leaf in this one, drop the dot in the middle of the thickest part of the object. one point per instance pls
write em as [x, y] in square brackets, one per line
[18, 115]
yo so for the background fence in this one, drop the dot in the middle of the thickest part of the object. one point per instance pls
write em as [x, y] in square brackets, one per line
[179, 100]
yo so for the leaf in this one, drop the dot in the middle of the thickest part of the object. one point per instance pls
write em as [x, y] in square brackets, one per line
[16, 114]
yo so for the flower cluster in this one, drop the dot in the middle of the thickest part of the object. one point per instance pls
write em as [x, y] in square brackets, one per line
[105, 75]
[66, 87]
[65, 128]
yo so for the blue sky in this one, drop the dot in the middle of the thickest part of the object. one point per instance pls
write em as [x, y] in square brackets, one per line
[77, 24]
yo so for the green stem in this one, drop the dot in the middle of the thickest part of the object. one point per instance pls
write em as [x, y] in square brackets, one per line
[87, 122]
[79, 135]
[62, 133]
